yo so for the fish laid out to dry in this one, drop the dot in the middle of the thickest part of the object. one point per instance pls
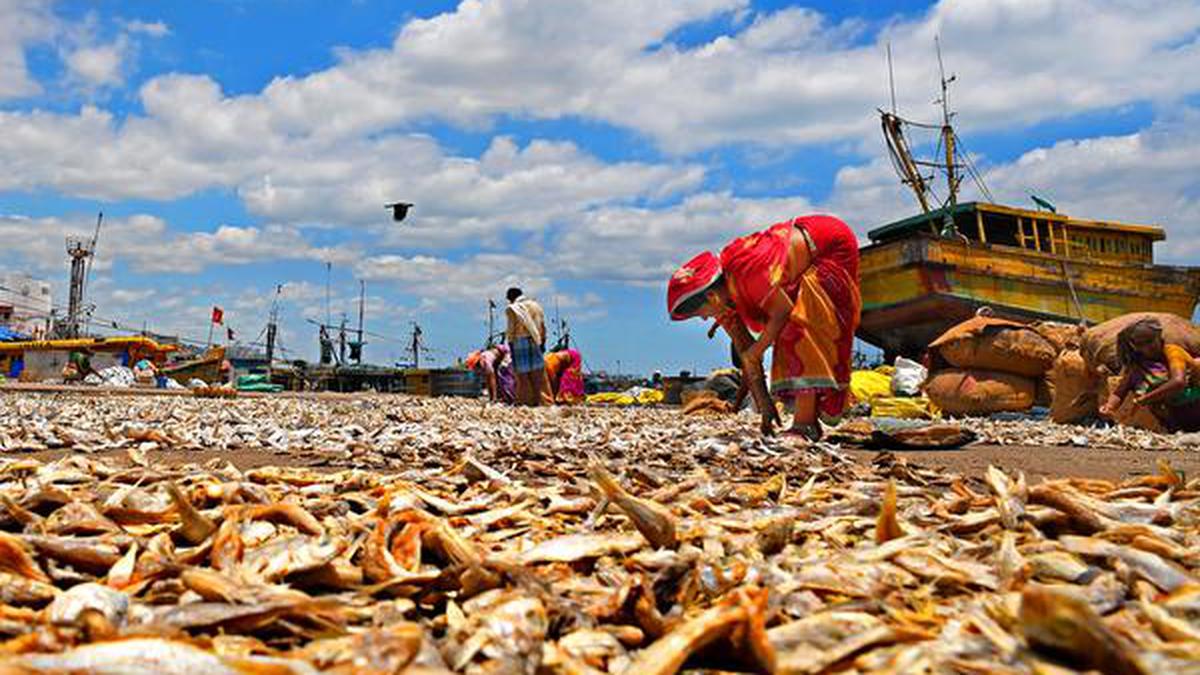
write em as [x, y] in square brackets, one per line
[464, 538]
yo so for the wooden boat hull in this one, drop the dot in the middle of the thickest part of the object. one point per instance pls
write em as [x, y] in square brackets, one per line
[206, 368]
[915, 288]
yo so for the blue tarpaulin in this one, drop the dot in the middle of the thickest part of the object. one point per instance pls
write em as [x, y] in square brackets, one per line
[9, 335]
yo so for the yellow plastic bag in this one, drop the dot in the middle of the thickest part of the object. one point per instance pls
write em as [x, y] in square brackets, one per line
[649, 396]
[867, 385]
[918, 407]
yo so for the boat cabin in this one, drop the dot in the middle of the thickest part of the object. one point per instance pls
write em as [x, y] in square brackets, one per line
[1034, 231]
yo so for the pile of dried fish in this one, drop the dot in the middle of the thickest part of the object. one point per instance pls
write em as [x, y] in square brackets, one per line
[569, 541]
[1044, 433]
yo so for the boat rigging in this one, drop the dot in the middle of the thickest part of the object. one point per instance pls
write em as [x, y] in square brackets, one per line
[951, 161]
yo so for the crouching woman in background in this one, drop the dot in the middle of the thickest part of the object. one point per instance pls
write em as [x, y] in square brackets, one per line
[1160, 376]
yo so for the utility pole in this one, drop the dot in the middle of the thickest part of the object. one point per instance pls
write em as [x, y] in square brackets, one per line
[342, 341]
[557, 322]
[491, 322]
[272, 326]
[328, 270]
[416, 345]
[362, 292]
[80, 253]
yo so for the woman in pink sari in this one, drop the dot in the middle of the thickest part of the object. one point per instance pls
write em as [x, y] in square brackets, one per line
[564, 370]
[794, 284]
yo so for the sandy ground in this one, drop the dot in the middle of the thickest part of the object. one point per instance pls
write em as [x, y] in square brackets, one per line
[1036, 462]
[1056, 462]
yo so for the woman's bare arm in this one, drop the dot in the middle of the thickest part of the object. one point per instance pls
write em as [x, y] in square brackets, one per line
[1164, 391]
[752, 372]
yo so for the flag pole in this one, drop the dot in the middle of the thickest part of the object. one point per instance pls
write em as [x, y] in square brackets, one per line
[210, 325]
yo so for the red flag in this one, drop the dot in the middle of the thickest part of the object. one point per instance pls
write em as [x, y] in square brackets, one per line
[229, 333]
[217, 316]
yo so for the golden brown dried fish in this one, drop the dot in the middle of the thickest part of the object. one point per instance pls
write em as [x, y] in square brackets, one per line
[887, 527]
[20, 590]
[736, 614]
[653, 520]
[93, 554]
[1065, 624]
[195, 527]
[575, 547]
[1010, 496]
[155, 655]
[16, 558]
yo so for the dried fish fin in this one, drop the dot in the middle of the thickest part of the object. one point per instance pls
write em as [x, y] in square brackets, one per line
[1080, 516]
[1011, 565]
[20, 513]
[16, 558]
[195, 527]
[1010, 496]
[668, 654]
[1064, 623]
[1170, 476]
[887, 527]
[653, 520]
[120, 575]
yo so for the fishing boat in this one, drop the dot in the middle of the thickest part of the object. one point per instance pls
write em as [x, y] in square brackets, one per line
[206, 367]
[38, 360]
[925, 273]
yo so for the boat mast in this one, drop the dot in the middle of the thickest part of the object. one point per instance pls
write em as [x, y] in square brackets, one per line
[902, 158]
[947, 134]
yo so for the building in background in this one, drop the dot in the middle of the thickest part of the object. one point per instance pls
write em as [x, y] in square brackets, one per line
[25, 303]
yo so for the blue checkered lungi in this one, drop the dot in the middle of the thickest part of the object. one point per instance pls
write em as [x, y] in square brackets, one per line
[526, 355]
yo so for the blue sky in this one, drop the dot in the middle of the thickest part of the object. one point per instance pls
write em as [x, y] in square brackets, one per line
[578, 149]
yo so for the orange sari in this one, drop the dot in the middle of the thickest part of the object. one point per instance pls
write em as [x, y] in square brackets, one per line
[812, 352]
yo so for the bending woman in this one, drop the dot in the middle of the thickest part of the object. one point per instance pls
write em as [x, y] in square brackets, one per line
[564, 374]
[795, 284]
[1161, 376]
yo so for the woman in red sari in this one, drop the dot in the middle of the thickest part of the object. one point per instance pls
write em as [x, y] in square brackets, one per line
[794, 284]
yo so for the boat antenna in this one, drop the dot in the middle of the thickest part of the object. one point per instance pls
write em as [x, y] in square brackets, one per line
[891, 77]
[947, 140]
[953, 144]
[328, 271]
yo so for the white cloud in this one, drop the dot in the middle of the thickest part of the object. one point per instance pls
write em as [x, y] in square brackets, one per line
[155, 29]
[644, 246]
[444, 281]
[149, 246]
[331, 147]
[22, 23]
[99, 65]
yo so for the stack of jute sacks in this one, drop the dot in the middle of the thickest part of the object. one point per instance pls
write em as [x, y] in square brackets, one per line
[1083, 377]
[988, 365]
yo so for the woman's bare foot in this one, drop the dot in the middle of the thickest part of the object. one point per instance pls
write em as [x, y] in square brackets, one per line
[810, 432]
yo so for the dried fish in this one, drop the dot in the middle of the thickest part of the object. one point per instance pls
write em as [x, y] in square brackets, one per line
[431, 540]
[1065, 623]
[653, 520]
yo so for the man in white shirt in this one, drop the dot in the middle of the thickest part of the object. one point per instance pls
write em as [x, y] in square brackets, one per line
[526, 335]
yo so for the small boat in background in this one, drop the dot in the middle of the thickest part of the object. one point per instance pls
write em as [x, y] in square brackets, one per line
[206, 367]
[39, 360]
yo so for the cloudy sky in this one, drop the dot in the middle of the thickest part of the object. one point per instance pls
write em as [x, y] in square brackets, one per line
[578, 149]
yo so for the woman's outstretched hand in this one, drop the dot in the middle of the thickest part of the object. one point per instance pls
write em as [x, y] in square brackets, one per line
[753, 376]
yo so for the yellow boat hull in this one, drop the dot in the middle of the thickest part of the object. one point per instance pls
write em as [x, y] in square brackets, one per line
[915, 288]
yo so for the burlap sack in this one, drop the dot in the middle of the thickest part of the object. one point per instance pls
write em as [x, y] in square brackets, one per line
[979, 392]
[1063, 336]
[986, 343]
[1076, 390]
[1099, 348]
